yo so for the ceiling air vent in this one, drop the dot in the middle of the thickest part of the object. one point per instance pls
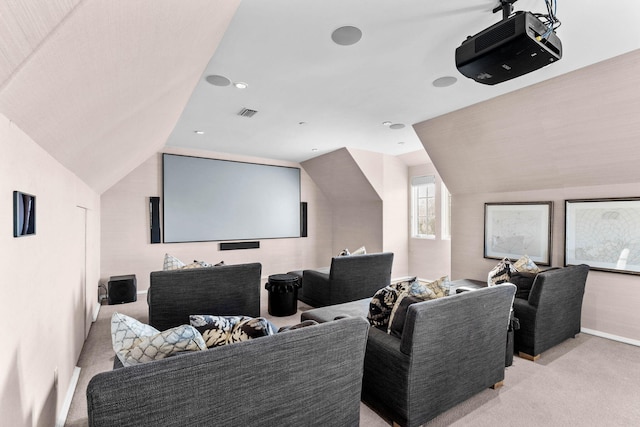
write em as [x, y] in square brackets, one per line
[246, 112]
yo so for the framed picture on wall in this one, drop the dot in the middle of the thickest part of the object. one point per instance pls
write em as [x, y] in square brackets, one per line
[512, 230]
[603, 233]
[24, 214]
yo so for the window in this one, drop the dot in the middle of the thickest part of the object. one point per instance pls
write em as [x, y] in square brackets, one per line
[423, 209]
[446, 212]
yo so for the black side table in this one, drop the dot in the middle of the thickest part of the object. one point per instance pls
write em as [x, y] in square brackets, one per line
[283, 294]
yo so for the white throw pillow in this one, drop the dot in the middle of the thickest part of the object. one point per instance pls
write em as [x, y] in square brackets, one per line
[172, 263]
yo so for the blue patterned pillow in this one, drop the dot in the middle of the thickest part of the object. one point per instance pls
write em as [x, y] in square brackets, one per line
[526, 265]
[430, 290]
[135, 342]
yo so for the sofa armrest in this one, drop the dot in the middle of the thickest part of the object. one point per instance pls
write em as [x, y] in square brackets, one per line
[386, 369]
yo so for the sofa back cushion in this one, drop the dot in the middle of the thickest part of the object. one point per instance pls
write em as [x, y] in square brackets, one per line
[458, 321]
[228, 290]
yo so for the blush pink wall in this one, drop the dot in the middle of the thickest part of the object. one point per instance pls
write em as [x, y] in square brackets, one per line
[49, 283]
[611, 300]
[368, 196]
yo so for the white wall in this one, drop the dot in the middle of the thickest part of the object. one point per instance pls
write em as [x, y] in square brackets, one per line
[49, 283]
[395, 214]
[611, 300]
[429, 258]
[125, 229]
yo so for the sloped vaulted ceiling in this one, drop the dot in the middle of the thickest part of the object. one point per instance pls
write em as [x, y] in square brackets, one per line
[578, 129]
[100, 84]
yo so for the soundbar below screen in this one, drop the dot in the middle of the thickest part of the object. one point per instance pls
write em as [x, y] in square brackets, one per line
[209, 199]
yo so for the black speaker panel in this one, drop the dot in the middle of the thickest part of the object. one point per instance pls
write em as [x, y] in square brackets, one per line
[303, 219]
[228, 246]
[122, 289]
[154, 212]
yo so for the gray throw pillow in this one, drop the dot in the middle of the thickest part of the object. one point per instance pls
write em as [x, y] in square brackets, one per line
[400, 317]
[524, 282]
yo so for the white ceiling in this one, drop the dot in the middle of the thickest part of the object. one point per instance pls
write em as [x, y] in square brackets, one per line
[283, 50]
[104, 84]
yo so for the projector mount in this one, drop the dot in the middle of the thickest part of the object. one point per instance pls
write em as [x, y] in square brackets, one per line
[506, 6]
[549, 19]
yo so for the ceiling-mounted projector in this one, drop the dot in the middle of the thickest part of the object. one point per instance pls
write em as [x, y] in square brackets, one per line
[511, 48]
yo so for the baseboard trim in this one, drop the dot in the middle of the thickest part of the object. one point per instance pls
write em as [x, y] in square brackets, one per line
[96, 311]
[64, 411]
[611, 337]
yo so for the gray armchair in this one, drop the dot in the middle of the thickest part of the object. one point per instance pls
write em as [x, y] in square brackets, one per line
[349, 278]
[224, 290]
[451, 349]
[552, 312]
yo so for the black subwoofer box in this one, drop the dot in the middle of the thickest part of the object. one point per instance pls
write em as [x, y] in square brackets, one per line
[122, 289]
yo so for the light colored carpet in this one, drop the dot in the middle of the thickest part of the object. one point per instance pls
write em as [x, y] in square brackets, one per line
[586, 381]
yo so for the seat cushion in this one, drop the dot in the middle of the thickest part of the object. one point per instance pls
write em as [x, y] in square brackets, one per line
[358, 308]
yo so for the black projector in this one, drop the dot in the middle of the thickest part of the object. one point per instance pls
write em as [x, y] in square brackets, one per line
[511, 48]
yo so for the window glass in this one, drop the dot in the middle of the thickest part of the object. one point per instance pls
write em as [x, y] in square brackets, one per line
[423, 206]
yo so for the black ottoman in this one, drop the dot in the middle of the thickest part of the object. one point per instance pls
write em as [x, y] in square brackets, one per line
[283, 294]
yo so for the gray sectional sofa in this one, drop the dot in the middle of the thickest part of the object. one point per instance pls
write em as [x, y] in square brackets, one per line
[303, 377]
[223, 290]
[450, 349]
[552, 310]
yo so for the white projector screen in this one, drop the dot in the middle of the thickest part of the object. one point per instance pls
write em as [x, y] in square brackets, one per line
[210, 200]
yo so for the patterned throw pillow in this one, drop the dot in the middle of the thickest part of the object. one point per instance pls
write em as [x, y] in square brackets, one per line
[383, 302]
[403, 291]
[135, 342]
[501, 273]
[196, 264]
[417, 291]
[525, 264]
[344, 252]
[430, 290]
[215, 330]
[172, 263]
[360, 251]
[223, 330]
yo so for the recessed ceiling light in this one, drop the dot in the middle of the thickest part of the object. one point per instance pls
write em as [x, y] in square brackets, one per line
[198, 132]
[346, 36]
[302, 123]
[396, 126]
[386, 123]
[314, 149]
[241, 85]
[217, 80]
[400, 142]
[444, 81]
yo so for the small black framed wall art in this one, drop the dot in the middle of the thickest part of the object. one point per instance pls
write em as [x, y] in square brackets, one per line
[24, 214]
